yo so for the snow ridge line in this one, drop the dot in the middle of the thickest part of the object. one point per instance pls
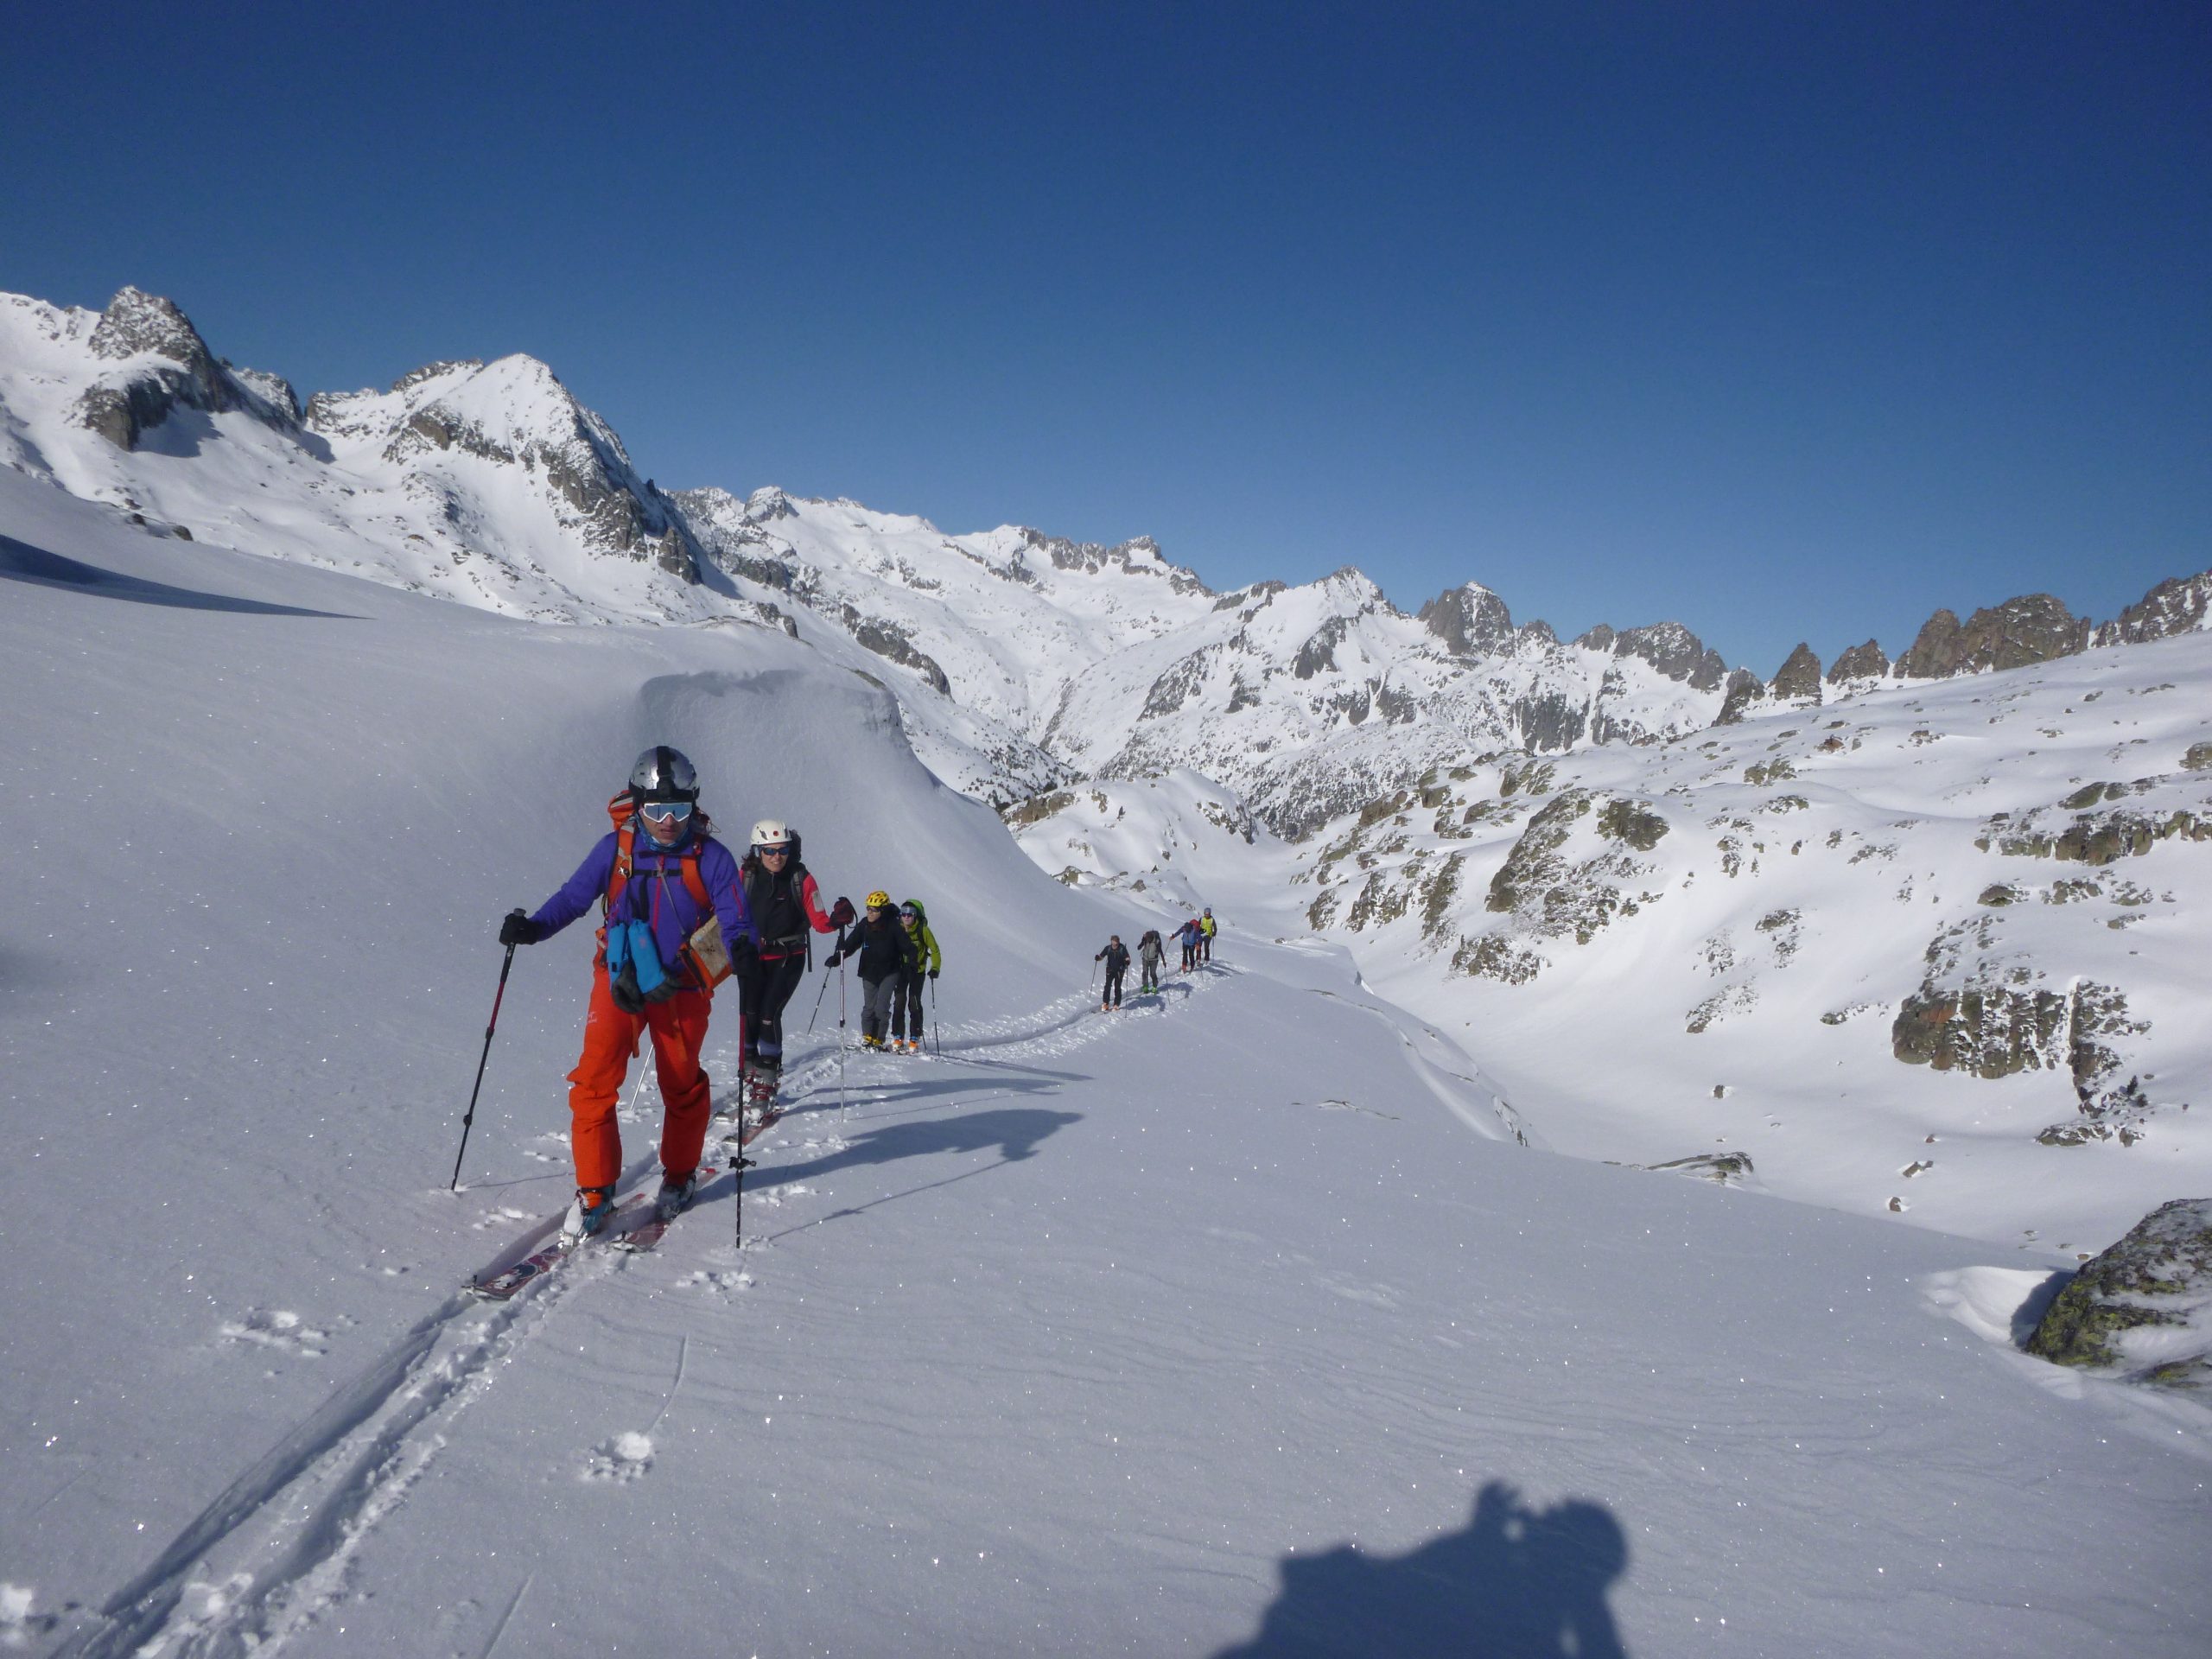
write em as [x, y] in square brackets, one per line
[362, 1467]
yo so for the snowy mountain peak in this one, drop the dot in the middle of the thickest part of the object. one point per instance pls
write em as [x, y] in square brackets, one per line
[136, 323]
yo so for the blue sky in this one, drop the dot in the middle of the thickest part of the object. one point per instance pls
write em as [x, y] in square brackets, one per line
[1782, 321]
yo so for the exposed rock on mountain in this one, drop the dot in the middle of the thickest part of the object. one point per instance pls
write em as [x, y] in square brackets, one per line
[2177, 605]
[1746, 692]
[1470, 621]
[166, 366]
[1867, 662]
[1797, 682]
[2144, 1306]
[2034, 628]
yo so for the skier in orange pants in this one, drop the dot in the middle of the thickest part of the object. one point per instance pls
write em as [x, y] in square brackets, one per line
[676, 921]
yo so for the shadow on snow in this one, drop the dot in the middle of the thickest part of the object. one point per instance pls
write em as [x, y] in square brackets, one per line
[1515, 1583]
[20, 562]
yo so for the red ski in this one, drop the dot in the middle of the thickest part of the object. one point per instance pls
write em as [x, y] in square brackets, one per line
[510, 1281]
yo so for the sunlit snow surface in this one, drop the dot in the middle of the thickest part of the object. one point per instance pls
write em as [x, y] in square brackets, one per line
[1236, 1322]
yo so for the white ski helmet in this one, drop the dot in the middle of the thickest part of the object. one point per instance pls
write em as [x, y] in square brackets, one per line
[771, 832]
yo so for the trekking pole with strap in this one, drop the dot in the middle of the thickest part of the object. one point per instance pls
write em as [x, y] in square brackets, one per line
[739, 1163]
[936, 1030]
[490, 1026]
[843, 1114]
[817, 1014]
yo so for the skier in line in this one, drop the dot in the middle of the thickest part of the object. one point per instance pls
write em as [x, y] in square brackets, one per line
[885, 952]
[1151, 953]
[660, 865]
[1115, 956]
[906, 1001]
[1189, 934]
[1205, 934]
[786, 904]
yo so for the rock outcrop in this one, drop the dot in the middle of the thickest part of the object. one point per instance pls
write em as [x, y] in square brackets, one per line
[2033, 628]
[1470, 621]
[2177, 605]
[1867, 662]
[171, 369]
[1797, 682]
[2143, 1307]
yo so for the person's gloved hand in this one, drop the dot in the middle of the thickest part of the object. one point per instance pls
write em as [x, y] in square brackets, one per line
[932, 973]
[623, 987]
[832, 959]
[840, 914]
[517, 928]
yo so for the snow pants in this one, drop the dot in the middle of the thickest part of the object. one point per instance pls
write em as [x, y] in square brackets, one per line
[906, 1007]
[1206, 947]
[679, 1029]
[1148, 974]
[768, 984]
[1114, 978]
[876, 996]
[1190, 955]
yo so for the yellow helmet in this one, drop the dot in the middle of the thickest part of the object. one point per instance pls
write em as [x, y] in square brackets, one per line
[879, 899]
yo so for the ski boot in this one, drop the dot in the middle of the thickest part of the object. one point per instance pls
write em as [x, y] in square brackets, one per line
[588, 1214]
[675, 1195]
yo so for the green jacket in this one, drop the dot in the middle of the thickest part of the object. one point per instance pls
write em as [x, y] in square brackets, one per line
[927, 957]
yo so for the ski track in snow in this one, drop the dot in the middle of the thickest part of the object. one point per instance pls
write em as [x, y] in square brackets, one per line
[296, 1518]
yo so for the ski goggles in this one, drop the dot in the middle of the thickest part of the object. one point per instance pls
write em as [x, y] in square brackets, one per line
[665, 811]
[910, 913]
[775, 850]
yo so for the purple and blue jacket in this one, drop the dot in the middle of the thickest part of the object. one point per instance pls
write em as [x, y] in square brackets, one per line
[654, 892]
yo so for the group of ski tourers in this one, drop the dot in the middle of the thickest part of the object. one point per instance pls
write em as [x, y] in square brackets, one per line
[1196, 935]
[683, 913]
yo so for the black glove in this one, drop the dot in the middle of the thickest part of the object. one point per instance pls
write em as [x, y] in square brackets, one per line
[517, 928]
[840, 914]
[932, 973]
[623, 987]
[831, 960]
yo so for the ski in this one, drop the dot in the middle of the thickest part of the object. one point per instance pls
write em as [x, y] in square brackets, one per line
[636, 1241]
[745, 1136]
[511, 1280]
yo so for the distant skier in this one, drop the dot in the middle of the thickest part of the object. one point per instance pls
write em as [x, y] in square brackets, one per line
[786, 904]
[1205, 934]
[1190, 934]
[885, 952]
[1151, 953]
[1115, 956]
[661, 889]
[907, 1002]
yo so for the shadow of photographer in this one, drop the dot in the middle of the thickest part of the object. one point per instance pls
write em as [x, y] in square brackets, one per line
[1515, 1582]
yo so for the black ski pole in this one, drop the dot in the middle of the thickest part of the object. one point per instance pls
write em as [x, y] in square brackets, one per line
[817, 1014]
[739, 1163]
[936, 1030]
[490, 1026]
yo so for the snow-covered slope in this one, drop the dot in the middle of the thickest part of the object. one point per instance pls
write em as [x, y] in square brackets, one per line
[1931, 950]
[1237, 1323]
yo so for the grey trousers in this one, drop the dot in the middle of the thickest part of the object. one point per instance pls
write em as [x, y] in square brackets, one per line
[876, 996]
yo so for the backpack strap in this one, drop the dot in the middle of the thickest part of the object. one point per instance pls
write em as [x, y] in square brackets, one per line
[619, 877]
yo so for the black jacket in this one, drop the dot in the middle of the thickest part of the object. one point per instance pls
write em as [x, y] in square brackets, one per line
[1117, 958]
[882, 949]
